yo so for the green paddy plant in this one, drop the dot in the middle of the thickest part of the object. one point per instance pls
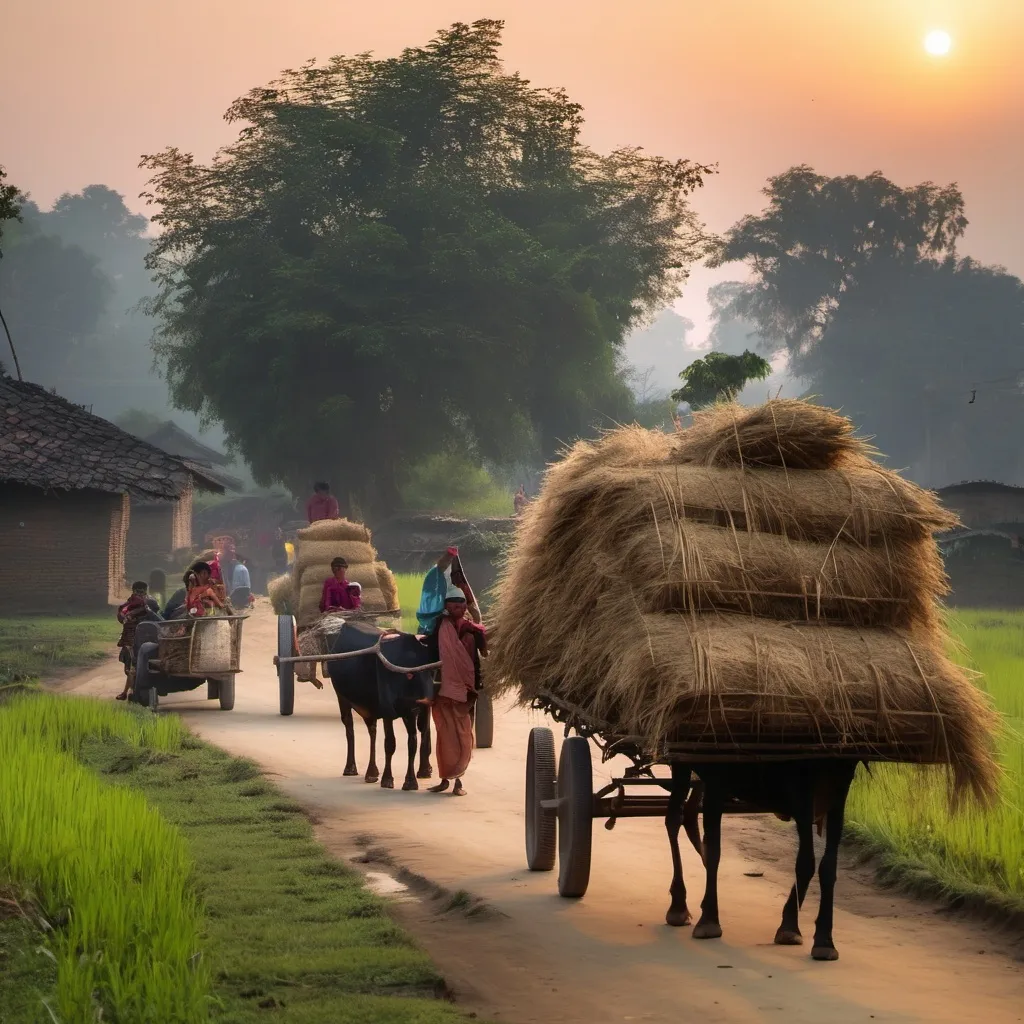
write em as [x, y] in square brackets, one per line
[112, 879]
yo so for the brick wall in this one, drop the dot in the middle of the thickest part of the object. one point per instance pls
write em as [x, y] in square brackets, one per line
[55, 552]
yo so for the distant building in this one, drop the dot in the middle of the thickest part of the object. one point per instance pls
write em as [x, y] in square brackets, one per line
[69, 481]
[985, 557]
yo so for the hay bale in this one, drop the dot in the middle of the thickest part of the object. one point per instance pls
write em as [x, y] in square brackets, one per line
[323, 552]
[388, 586]
[279, 590]
[620, 596]
[334, 529]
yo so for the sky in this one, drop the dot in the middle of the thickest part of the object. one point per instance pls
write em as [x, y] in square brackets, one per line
[754, 86]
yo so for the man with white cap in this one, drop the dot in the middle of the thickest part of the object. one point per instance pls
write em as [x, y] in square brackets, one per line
[457, 643]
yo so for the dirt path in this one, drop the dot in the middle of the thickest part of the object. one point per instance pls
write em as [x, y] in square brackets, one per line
[608, 957]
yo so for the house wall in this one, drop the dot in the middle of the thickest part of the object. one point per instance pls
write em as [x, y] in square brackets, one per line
[983, 509]
[55, 550]
[150, 536]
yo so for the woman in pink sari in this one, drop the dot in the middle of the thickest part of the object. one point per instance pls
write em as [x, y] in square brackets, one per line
[460, 642]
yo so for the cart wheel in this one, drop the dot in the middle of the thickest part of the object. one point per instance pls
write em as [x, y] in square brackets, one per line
[287, 647]
[575, 817]
[541, 824]
[226, 692]
[484, 714]
[212, 689]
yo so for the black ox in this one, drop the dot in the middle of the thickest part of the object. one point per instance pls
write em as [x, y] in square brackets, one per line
[366, 685]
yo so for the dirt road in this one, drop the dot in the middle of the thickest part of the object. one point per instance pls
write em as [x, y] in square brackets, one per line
[608, 957]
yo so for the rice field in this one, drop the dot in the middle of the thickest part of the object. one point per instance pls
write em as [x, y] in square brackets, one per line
[32, 647]
[903, 813]
[409, 586]
[112, 879]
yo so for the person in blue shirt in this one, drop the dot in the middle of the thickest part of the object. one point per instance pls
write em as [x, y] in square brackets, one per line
[447, 572]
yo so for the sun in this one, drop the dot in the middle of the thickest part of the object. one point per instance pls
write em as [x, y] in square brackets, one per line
[938, 43]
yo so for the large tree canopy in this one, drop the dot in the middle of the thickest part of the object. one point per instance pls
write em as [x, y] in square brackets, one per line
[402, 255]
[858, 280]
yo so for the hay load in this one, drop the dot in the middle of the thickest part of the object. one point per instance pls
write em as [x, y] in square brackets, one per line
[317, 545]
[754, 586]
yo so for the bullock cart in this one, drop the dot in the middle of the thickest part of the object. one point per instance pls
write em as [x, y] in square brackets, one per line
[180, 655]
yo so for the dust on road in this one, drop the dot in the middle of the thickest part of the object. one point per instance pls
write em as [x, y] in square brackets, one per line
[608, 957]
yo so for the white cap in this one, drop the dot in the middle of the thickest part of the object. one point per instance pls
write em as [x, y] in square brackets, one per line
[454, 594]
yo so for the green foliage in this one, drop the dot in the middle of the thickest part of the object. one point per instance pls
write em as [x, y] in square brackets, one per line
[453, 483]
[92, 858]
[10, 206]
[902, 811]
[399, 255]
[719, 376]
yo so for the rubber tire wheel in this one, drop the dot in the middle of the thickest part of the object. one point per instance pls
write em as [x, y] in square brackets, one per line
[575, 817]
[226, 692]
[144, 690]
[286, 648]
[484, 724]
[541, 825]
[212, 689]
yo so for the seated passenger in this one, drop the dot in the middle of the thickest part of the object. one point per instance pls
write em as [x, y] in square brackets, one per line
[138, 607]
[339, 594]
[202, 598]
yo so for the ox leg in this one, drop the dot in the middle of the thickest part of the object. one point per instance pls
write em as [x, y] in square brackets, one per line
[789, 931]
[372, 771]
[678, 914]
[387, 780]
[411, 722]
[351, 768]
[709, 927]
[824, 948]
[423, 724]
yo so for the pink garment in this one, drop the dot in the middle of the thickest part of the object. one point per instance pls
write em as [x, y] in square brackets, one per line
[337, 595]
[458, 675]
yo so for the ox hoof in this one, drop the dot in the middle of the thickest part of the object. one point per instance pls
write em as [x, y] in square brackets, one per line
[386, 783]
[425, 773]
[788, 938]
[678, 918]
[410, 785]
[824, 953]
[350, 769]
[371, 777]
[707, 930]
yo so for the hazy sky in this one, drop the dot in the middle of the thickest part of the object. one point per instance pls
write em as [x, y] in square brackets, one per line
[753, 85]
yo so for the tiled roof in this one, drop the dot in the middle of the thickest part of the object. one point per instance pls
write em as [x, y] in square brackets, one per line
[172, 439]
[48, 442]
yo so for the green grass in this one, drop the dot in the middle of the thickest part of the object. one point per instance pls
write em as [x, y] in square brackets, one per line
[33, 647]
[902, 814]
[108, 874]
[182, 887]
[409, 586]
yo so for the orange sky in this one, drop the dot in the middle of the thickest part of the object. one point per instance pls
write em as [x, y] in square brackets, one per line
[754, 85]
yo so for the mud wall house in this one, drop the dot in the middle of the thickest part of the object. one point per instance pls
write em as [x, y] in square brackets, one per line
[68, 480]
[985, 557]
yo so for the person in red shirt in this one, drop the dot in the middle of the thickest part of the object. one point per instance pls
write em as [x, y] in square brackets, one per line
[323, 504]
[339, 594]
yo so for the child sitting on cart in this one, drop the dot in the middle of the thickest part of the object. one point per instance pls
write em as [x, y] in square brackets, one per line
[340, 597]
[138, 607]
[202, 597]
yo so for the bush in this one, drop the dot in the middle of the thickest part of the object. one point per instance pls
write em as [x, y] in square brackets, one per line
[454, 484]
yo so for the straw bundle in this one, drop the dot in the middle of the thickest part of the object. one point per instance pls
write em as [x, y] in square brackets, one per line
[279, 589]
[754, 586]
[318, 545]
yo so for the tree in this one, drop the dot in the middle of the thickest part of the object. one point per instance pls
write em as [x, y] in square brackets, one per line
[818, 237]
[403, 256]
[53, 296]
[719, 376]
[10, 207]
[858, 281]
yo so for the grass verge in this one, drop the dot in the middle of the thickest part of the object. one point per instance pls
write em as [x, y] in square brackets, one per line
[900, 814]
[410, 584]
[176, 885]
[36, 647]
